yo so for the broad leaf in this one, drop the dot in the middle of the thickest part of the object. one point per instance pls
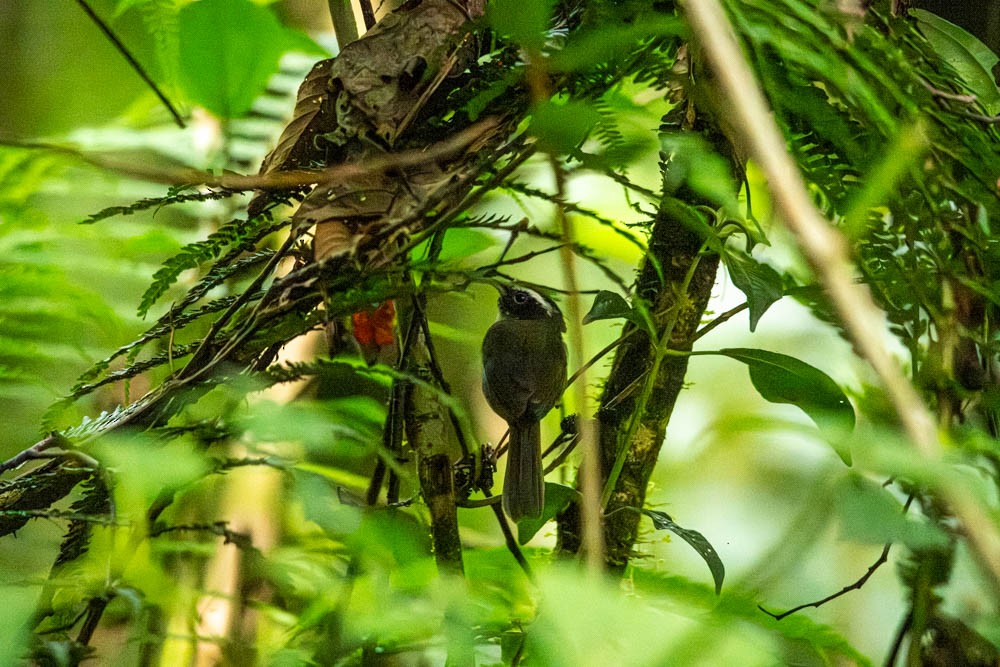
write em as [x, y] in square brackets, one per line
[557, 498]
[525, 22]
[761, 284]
[662, 521]
[690, 161]
[229, 50]
[973, 60]
[783, 379]
[605, 43]
[608, 306]
[869, 513]
[561, 128]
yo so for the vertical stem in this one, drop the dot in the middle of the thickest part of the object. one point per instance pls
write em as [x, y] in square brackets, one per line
[344, 25]
[592, 532]
[368, 14]
[438, 488]
[590, 468]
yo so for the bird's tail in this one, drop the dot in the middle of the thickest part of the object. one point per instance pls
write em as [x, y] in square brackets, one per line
[524, 484]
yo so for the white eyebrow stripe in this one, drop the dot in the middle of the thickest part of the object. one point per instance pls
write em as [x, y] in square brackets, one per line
[546, 304]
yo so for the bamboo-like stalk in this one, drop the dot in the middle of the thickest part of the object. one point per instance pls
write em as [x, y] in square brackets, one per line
[827, 252]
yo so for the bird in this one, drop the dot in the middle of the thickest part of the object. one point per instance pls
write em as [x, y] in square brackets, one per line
[524, 375]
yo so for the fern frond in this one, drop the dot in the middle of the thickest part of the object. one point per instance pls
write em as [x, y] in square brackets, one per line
[239, 234]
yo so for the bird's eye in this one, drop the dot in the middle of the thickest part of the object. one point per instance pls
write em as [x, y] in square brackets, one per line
[520, 297]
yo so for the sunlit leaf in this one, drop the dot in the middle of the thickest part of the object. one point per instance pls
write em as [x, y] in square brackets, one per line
[742, 606]
[458, 244]
[347, 427]
[525, 22]
[229, 50]
[610, 42]
[690, 161]
[144, 468]
[561, 128]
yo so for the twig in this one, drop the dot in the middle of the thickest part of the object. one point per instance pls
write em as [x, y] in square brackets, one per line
[991, 120]
[721, 319]
[882, 560]
[283, 180]
[133, 63]
[508, 538]
[897, 642]
[828, 253]
[943, 94]
[571, 444]
[600, 355]
[220, 528]
[367, 13]
[36, 451]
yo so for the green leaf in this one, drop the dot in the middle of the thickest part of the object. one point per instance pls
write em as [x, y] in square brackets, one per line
[608, 306]
[458, 244]
[525, 22]
[783, 379]
[869, 513]
[346, 427]
[973, 60]
[693, 219]
[145, 468]
[561, 128]
[557, 498]
[761, 284]
[689, 160]
[662, 521]
[229, 50]
[610, 42]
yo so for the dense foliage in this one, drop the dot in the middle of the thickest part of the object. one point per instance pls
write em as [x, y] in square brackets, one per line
[257, 397]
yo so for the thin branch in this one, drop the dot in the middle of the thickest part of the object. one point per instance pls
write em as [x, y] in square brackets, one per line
[508, 538]
[721, 319]
[989, 120]
[220, 528]
[133, 63]
[828, 253]
[571, 444]
[283, 180]
[882, 560]
[367, 13]
[600, 355]
[943, 94]
[36, 451]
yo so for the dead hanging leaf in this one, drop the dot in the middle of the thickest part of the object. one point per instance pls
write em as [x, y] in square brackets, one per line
[294, 148]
